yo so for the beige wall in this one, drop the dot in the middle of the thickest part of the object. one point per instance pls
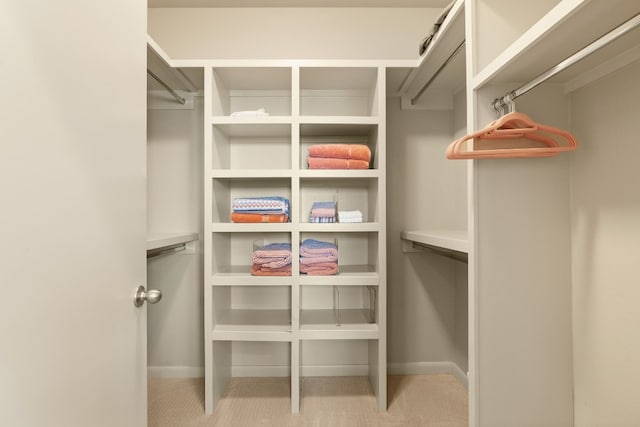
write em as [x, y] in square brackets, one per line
[174, 204]
[291, 33]
[424, 190]
[606, 250]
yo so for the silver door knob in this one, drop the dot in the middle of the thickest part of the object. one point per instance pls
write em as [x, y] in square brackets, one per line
[142, 295]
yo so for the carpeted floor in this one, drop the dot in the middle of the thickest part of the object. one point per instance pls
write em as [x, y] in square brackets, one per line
[413, 400]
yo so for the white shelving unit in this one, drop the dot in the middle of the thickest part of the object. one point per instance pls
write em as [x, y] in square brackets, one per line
[323, 102]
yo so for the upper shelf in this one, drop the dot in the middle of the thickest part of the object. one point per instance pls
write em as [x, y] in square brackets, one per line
[439, 56]
[564, 30]
[181, 80]
[451, 243]
[161, 241]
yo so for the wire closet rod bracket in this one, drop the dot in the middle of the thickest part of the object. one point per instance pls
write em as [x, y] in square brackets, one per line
[500, 104]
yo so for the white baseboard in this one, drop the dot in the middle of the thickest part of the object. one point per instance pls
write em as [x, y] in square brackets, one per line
[307, 371]
[175, 372]
[415, 368]
[426, 368]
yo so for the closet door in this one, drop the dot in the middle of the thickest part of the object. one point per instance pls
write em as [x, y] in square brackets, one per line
[72, 179]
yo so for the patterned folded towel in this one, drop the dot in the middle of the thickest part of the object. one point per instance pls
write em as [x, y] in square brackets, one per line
[261, 205]
[323, 210]
[321, 220]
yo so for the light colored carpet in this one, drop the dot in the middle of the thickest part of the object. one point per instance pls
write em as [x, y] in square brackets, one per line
[414, 400]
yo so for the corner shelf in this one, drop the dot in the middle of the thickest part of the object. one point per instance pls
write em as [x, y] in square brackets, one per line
[164, 243]
[450, 243]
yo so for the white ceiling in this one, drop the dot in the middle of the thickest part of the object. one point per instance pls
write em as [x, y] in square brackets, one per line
[298, 3]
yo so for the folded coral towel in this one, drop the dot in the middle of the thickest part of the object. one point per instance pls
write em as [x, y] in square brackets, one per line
[257, 270]
[273, 255]
[330, 163]
[254, 217]
[261, 205]
[320, 269]
[341, 151]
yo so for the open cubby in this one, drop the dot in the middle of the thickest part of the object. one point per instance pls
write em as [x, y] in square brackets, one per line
[339, 91]
[348, 193]
[251, 146]
[225, 190]
[348, 133]
[239, 89]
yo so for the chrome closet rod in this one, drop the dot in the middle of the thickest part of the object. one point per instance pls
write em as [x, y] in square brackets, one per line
[435, 75]
[153, 253]
[612, 35]
[178, 98]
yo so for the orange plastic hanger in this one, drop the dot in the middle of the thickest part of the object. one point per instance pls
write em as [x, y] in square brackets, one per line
[512, 135]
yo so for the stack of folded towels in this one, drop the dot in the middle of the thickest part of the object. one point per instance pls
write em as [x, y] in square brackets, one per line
[323, 212]
[273, 259]
[318, 258]
[349, 216]
[339, 156]
[260, 209]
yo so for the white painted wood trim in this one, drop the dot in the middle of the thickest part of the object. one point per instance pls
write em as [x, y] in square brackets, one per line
[415, 368]
[428, 368]
[175, 371]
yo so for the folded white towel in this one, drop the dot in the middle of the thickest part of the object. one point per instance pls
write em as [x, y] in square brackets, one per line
[350, 220]
[252, 113]
[349, 216]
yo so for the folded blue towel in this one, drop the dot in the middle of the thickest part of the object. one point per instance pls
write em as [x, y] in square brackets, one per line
[276, 247]
[317, 244]
[323, 205]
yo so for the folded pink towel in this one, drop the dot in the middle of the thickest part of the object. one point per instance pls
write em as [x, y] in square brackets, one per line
[323, 213]
[308, 260]
[257, 270]
[331, 163]
[341, 151]
[317, 248]
[273, 255]
[320, 269]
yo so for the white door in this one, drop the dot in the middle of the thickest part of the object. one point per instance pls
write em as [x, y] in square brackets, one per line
[72, 213]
